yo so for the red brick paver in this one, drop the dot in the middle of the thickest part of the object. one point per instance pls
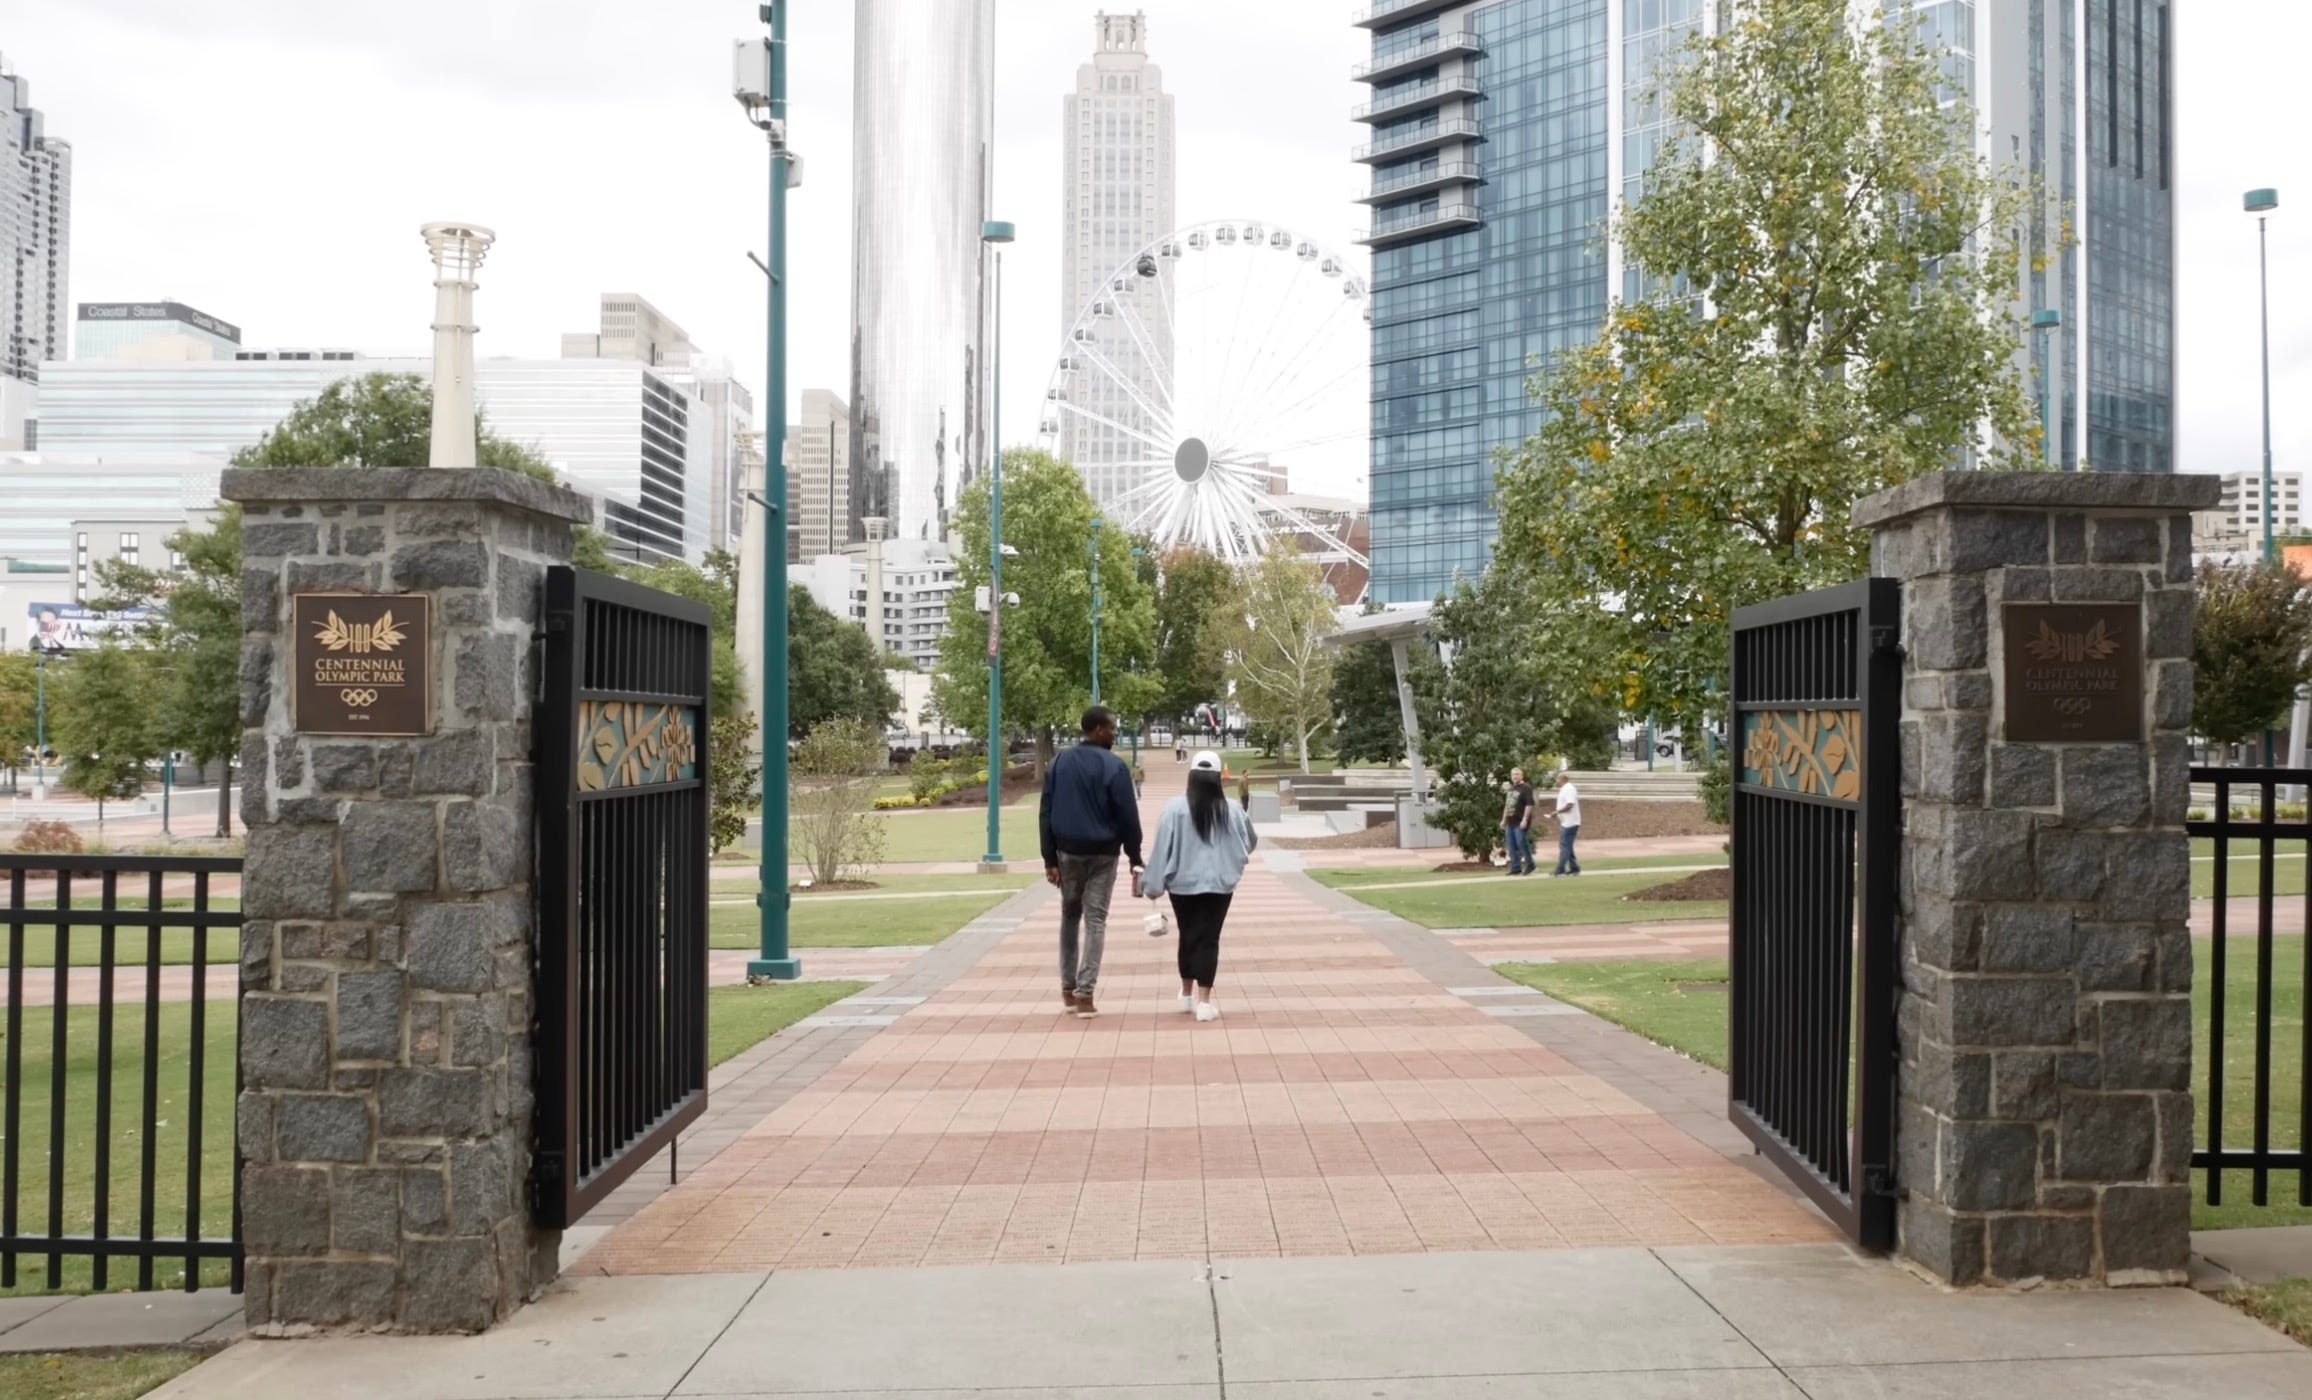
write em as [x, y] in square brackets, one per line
[1344, 1104]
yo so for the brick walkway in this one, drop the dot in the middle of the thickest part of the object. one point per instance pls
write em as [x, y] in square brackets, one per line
[1349, 1102]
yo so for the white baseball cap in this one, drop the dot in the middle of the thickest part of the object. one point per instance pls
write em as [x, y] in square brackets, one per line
[1206, 761]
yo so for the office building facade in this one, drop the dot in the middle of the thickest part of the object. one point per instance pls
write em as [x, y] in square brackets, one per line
[819, 476]
[35, 256]
[632, 329]
[1117, 195]
[1504, 133]
[151, 330]
[923, 93]
[896, 589]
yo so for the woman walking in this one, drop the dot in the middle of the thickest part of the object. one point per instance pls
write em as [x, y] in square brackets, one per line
[1202, 843]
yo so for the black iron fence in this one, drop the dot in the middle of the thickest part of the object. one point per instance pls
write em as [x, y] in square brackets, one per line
[2254, 979]
[123, 981]
[1816, 814]
[622, 883]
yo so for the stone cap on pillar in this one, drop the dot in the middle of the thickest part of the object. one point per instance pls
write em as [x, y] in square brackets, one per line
[2100, 492]
[486, 485]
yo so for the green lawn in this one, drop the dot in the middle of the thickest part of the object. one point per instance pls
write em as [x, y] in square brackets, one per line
[91, 1376]
[2285, 1304]
[173, 1108]
[1528, 903]
[853, 923]
[2243, 878]
[87, 948]
[949, 833]
[741, 1016]
[900, 884]
[1356, 879]
[1664, 1002]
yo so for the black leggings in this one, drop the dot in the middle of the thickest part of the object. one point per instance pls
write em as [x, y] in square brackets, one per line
[1200, 917]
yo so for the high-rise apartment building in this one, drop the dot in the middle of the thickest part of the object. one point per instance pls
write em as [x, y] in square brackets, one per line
[152, 330]
[819, 477]
[923, 87]
[1504, 133]
[1117, 182]
[35, 261]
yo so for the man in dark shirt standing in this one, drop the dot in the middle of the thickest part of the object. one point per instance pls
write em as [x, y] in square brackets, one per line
[1088, 815]
[1517, 824]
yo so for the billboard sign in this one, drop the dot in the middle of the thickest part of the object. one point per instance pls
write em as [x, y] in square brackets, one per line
[70, 627]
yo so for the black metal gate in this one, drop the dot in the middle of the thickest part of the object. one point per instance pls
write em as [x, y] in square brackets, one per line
[1816, 830]
[2247, 1064]
[622, 883]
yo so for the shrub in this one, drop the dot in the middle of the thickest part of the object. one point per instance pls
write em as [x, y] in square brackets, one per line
[50, 839]
[734, 779]
[834, 798]
[1716, 785]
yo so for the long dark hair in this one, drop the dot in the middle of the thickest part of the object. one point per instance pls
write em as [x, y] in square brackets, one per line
[1207, 802]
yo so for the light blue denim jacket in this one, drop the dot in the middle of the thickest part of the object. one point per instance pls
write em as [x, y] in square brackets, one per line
[1183, 864]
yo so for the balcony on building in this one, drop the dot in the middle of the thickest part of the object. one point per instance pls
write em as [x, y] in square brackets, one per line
[1417, 95]
[1442, 175]
[1421, 223]
[1383, 13]
[1444, 133]
[1407, 57]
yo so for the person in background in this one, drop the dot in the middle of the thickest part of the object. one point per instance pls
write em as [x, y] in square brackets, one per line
[1088, 816]
[1517, 823]
[1202, 843]
[1568, 824]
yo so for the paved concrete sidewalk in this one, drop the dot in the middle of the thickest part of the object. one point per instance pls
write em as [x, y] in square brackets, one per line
[1711, 1323]
[72, 1322]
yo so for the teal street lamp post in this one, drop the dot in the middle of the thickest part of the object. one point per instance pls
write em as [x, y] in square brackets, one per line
[1096, 610]
[2041, 323]
[997, 234]
[761, 88]
[2261, 203]
[39, 724]
[168, 781]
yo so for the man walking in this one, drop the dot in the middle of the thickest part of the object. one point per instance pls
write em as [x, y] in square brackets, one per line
[1088, 814]
[1517, 824]
[1568, 824]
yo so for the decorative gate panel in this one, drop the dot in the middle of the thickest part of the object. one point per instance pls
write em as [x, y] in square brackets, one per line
[622, 883]
[1816, 815]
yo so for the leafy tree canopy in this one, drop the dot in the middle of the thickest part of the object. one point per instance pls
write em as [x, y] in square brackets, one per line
[2249, 649]
[1192, 585]
[1367, 724]
[1273, 627]
[1832, 311]
[375, 420]
[194, 636]
[834, 670]
[102, 722]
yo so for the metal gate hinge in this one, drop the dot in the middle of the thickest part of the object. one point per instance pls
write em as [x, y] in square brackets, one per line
[1886, 641]
[1880, 1182]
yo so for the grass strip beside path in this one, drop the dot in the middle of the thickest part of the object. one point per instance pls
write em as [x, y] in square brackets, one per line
[1533, 901]
[91, 1376]
[1678, 1004]
[2285, 1304]
[741, 1017]
[861, 923]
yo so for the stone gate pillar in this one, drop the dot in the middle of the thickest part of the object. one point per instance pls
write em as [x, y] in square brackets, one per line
[2044, 1017]
[387, 680]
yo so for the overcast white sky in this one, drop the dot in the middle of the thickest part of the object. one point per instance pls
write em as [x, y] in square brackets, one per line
[270, 160]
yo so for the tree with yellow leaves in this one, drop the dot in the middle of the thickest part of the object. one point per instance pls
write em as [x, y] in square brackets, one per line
[1835, 311]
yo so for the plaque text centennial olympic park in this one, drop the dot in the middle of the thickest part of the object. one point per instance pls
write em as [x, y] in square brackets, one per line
[363, 664]
[2074, 673]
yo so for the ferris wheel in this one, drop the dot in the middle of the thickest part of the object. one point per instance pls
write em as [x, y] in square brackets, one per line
[1211, 368]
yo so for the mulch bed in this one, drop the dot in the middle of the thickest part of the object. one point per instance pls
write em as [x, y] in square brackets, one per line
[834, 885]
[1382, 837]
[1702, 885]
[1608, 820]
[1018, 782]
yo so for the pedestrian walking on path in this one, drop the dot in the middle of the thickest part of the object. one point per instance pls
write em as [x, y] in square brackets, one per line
[1517, 824]
[1202, 843]
[1568, 824]
[1089, 814]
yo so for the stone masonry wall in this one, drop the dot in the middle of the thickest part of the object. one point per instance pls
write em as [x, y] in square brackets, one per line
[386, 965]
[2044, 1021]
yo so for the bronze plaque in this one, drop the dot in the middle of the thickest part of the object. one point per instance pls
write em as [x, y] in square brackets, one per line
[2074, 673]
[363, 664]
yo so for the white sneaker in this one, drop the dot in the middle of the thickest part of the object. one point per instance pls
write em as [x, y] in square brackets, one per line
[1188, 1004]
[1206, 1011]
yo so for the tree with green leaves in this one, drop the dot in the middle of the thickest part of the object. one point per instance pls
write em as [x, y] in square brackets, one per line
[1368, 725]
[1047, 637]
[1834, 312]
[734, 779]
[1273, 631]
[193, 634]
[375, 420]
[2251, 649]
[19, 708]
[104, 723]
[1191, 585]
[834, 669]
[1516, 692]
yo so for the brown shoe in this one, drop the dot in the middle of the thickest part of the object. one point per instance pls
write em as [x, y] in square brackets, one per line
[1084, 1008]
[1067, 1001]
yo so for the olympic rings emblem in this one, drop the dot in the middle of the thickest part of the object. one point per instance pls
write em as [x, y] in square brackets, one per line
[358, 699]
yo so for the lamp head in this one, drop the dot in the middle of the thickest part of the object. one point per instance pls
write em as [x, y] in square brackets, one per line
[2260, 201]
[2046, 319]
[995, 231]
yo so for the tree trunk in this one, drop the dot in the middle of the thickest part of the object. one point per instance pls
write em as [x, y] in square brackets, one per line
[1044, 748]
[225, 802]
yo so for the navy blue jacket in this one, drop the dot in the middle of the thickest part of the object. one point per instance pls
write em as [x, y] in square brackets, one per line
[1088, 807]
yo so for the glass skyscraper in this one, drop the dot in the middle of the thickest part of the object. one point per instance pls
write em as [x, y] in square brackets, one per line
[1503, 133]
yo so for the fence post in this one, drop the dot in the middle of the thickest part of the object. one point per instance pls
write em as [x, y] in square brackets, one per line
[387, 684]
[2044, 1015]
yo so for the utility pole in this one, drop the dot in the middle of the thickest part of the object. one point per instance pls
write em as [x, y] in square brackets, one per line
[1095, 611]
[760, 84]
